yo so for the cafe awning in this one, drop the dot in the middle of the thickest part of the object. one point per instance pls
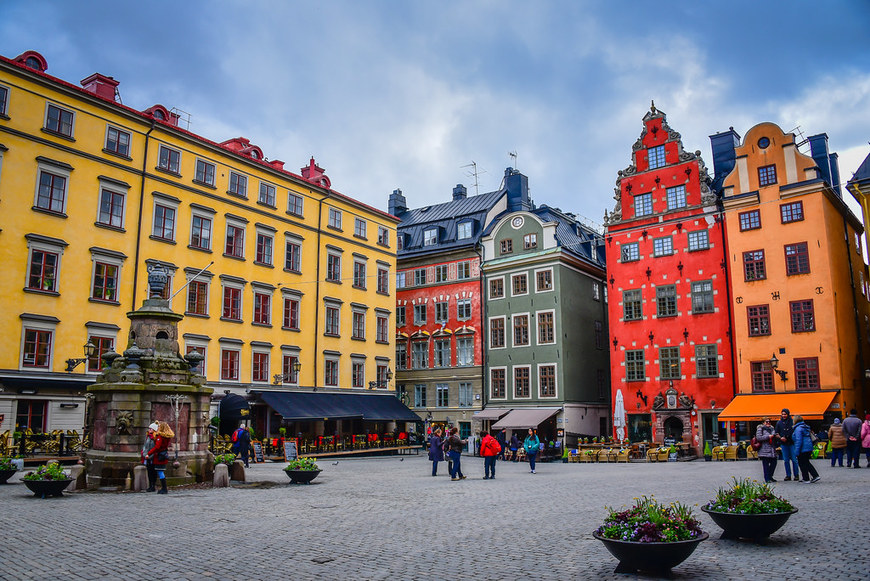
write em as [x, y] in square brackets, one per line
[811, 405]
[490, 413]
[301, 406]
[525, 418]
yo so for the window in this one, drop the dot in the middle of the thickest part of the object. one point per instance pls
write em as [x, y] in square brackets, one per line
[793, 212]
[103, 345]
[291, 313]
[204, 172]
[31, 414]
[496, 333]
[383, 236]
[4, 100]
[463, 309]
[332, 321]
[706, 361]
[37, 348]
[766, 175]
[420, 354]
[750, 220]
[520, 284]
[197, 298]
[260, 367]
[759, 320]
[200, 232]
[632, 309]
[599, 335]
[381, 329]
[169, 159]
[753, 265]
[400, 241]
[762, 376]
[496, 288]
[546, 332]
[497, 383]
[117, 141]
[164, 222]
[802, 316]
[630, 252]
[401, 316]
[358, 325]
[43, 270]
[656, 156]
[666, 301]
[359, 227]
[441, 273]
[699, 240]
[294, 204]
[663, 246]
[334, 218]
[293, 257]
[51, 194]
[333, 268]
[235, 241]
[521, 382]
[59, 120]
[463, 231]
[419, 395]
[401, 356]
[420, 314]
[111, 212]
[806, 372]
[420, 277]
[547, 380]
[267, 194]
[669, 363]
[400, 280]
[383, 281]
[238, 184]
[543, 280]
[442, 393]
[634, 365]
[464, 351]
[441, 312]
[506, 246]
[465, 395]
[105, 287]
[702, 297]
[676, 197]
[442, 352]
[521, 330]
[643, 205]
[530, 241]
[264, 249]
[262, 308]
[229, 365]
[797, 258]
[463, 270]
[288, 369]
[330, 373]
[232, 304]
[359, 274]
[357, 373]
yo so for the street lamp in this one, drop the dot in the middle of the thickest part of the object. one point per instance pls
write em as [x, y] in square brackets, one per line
[774, 364]
[89, 350]
[292, 377]
[383, 380]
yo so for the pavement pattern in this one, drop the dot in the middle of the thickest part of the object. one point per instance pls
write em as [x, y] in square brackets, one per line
[388, 518]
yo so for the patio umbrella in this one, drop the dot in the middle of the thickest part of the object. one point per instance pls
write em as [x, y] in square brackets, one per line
[619, 416]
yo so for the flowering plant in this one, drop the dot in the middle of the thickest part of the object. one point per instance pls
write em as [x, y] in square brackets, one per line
[48, 472]
[224, 459]
[303, 464]
[6, 464]
[748, 497]
[650, 522]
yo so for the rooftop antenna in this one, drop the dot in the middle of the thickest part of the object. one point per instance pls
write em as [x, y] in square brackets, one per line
[799, 132]
[513, 156]
[183, 117]
[474, 173]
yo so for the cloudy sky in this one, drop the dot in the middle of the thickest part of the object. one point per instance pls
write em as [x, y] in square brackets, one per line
[407, 94]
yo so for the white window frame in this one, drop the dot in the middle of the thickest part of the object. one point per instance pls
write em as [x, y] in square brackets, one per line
[505, 328]
[492, 395]
[38, 324]
[44, 244]
[198, 344]
[202, 215]
[292, 198]
[266, 233]
[171, 204]
[261, 351]
[269, 188]
[552, 281]
[113, 187]
[230, 348]
[258, 289]
[289, 351]
[513, 276]
[360, 227]
[110, 127]
[430, 237]
[538, 331]
[327, 358]
[464, 230]
[464, 303]
[334, 218]
[555, 379]
[237, 285]
[383, 236]
[4, 110]
[241, 184]
[72, 127]
[244, 228]
[205, 277]
[57, 170]
[514, 382]
[168, 168]
[207, 164]
[470, 350]
[528, 330]
[110, 258]
[489, 288]
[296, 241]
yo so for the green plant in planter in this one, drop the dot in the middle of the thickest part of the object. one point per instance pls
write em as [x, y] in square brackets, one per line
[224, 459]
[305, 464]
[215, 421]
[48, 472]
[283, 431]
[650, 522]
[707, 450]
[6, 464]
[748, 496]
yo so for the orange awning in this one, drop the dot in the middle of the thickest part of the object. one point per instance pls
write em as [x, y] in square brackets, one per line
[810, 405]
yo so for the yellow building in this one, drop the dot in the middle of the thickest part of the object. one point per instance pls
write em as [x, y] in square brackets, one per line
[797, 271]
[271, 268]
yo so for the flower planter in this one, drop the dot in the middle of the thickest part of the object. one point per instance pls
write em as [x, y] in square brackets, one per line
[750, 526]
[302, 476]
[655, 557]
[6, 475]
[45, 488]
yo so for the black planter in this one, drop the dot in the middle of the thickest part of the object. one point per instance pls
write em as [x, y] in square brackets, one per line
[45, 488]
[6, 475]
[302, 476]
[655, 557]
[749, 526]
[708, 458]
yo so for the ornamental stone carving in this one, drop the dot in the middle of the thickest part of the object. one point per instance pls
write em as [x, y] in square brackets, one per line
[123, 422]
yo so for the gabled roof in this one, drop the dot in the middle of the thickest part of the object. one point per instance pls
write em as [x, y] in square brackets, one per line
[573, 235]
[863, 172]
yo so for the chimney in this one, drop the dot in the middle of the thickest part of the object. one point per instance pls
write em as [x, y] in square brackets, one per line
[397, 204]
[315, 174]
[101, 86]
[724, 156]
[517, 187]
[276, 163]
[827, 162]
[459, 192]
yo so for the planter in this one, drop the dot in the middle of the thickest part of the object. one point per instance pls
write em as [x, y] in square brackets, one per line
[45, 488]
[656, 557]
[302, 476]
[6, 475]
[750, 526]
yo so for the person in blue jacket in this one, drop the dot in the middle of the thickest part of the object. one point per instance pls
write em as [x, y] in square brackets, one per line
[803, 444]
[436, 453]
[532, 445]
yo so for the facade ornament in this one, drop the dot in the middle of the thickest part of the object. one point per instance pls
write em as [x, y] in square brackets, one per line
[658, 401]
[686, 401]
[123, 422]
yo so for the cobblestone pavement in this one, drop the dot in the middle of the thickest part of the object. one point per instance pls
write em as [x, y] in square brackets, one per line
[387, 518]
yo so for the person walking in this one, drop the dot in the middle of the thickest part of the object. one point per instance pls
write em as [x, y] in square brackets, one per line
[766, 435]
[532, 445]
[838, 443]
[784, 429]
[501, 438]
[436, 453]
[852, 432]
[865, 438]
[456, 444]
[514, 446]
[149, 464]
[803, 443]
[489, 449]
[244, 441]
[159, 453]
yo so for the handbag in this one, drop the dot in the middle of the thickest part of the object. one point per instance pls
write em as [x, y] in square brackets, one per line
[163, 456]
[756, 445]
[813, 437]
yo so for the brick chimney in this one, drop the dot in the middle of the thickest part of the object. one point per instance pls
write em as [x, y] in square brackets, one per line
[397, 204]
[459, 192]
[101, 86]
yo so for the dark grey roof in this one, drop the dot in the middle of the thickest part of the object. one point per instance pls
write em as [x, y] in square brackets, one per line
[574, 236]
[863, 172]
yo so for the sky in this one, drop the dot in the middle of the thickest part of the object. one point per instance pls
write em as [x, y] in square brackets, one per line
[415, 95]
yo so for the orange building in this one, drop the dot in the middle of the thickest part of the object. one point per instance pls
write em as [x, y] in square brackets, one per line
[797, 269]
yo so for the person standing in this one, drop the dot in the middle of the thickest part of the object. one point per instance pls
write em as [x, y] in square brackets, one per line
[838, 443]
[436, 453]
[489, 449]
[852, 432]
[159, 453]
[149, 464]
[766, 435]
[501, 438]
[514, 446]
[244, 441]
[865, 437]
[532, 445]
[784, 429]
[456, 444]
[803, 443]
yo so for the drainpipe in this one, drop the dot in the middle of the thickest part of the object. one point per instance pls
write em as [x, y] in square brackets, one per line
[483, 328]
[317, 287]
[859, 342]
[719, 204]
[139, 219]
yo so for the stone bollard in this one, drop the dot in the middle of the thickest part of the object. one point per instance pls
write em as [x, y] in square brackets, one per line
[237, 471]
[140, 478]
[77, 473]
[221, 476]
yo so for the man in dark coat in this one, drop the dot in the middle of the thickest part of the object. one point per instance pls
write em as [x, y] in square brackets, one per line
[501, 438]
[852, 432]
[244, 443]
[784, 429]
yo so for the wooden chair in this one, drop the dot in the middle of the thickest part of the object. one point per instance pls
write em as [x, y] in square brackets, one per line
[751, 454]
[718, 453]
[664, 454]
[587, 456]
[623, 455]
[652, 455]
[521, 455]
[731, 453]
[822, 446]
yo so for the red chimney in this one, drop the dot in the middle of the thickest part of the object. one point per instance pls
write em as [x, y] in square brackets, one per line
[314, 174]
[101, 86]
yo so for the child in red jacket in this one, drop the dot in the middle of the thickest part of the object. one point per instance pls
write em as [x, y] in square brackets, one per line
[489, 449]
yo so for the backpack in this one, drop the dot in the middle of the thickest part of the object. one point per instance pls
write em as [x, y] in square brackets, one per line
[236, 435]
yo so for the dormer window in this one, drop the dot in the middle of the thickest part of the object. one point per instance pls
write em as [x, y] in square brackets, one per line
[656, 156]
[430, 237]
[463, 230]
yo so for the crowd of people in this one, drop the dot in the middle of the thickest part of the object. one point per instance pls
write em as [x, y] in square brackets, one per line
[450, 446]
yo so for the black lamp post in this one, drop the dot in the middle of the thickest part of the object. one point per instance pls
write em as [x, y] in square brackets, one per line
[774, 364]
[292, 377]
[382, 381]
[89, 349]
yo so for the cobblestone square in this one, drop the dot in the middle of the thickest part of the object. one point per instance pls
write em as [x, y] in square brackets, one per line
[387, 518]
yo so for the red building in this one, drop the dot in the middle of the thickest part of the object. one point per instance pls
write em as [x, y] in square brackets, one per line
[669, 314]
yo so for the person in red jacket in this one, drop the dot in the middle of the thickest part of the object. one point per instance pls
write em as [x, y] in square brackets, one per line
[159, 454]
[489, 449]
